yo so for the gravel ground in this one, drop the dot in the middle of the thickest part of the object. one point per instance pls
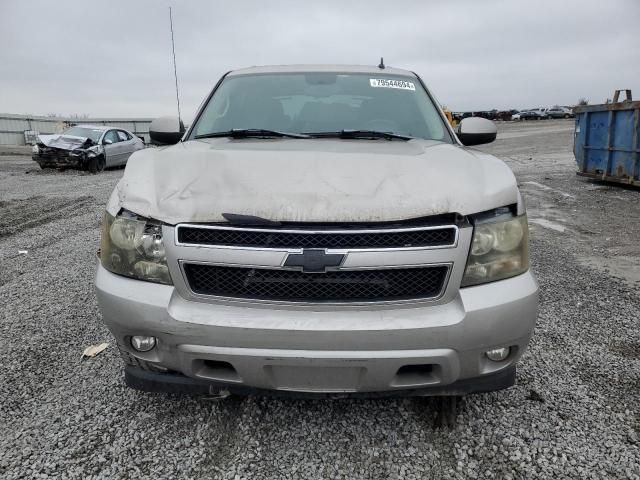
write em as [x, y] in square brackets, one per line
[573, 414]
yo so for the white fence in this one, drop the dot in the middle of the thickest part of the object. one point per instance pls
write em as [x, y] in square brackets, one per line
[17, 129]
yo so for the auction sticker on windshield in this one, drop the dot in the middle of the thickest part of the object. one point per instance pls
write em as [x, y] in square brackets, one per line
[385, 83]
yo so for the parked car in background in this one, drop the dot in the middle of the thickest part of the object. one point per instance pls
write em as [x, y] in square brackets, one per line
[525, 115]
[488, 114]
[541, 112]
[318, 229]
[505, 114]
[88, 147]
[559, 112]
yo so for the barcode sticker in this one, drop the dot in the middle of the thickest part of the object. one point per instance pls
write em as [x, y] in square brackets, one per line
[386, 83]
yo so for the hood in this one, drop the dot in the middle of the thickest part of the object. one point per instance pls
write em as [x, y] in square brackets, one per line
[65, 142]
[311, 180]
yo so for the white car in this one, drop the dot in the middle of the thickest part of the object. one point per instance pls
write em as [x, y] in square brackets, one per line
[88, 147]
[541, 112]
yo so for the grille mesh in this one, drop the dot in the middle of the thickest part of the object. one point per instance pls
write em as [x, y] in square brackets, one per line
[335, 286]
[267, 239]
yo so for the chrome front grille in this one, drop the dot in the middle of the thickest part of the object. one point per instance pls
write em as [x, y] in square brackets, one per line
[317, 238]
[319, 264]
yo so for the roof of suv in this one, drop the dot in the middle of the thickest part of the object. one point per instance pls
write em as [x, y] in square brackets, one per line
[322, 68]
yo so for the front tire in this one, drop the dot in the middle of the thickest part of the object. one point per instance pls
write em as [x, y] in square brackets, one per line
[95, 164]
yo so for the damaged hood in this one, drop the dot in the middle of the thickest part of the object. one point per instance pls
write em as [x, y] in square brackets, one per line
[65, 142]
[311, 180]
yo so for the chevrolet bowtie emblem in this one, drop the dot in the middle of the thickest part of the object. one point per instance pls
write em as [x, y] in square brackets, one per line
[314, 260]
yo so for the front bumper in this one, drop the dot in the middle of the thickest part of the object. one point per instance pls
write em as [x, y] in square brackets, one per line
[409, 349]
[60, 160]
[156, 382]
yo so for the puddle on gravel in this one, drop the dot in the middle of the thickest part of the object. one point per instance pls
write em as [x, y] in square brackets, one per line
[624, 267]
[629, 350]
[543, 222]
[548, 188]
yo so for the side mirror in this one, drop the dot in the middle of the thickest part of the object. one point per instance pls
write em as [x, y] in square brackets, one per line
[107, 141]
[166, 130]
[476, 131]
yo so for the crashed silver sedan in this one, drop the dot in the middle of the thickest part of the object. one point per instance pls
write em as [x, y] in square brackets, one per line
[87, 147]
[318, 230]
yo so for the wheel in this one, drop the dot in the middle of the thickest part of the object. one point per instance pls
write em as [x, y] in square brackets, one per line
[92, 165]
[42, 166]
[95, 164]
[566, 115]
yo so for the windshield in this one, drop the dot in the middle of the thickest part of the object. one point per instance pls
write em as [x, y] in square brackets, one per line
[322, 102]
[93, 134]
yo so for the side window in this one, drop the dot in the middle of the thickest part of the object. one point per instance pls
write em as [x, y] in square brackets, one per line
[123, 136]
[113, 136]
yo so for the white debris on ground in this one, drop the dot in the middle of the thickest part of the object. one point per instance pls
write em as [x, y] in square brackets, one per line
[93, 350]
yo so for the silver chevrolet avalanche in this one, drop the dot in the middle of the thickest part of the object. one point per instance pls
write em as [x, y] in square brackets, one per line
[319, 230]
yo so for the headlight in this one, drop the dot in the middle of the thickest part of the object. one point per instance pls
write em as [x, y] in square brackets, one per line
[499, 250]
[35, 149]
[132, 246]
[95, 150]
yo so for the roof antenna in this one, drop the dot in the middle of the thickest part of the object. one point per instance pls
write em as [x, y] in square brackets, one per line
[175, 72]
[381, 66]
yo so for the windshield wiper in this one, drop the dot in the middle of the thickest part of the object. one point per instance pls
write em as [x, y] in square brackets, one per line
[251, 132]
[368, 134]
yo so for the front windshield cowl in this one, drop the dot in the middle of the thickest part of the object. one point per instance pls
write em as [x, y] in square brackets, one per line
[323, 105]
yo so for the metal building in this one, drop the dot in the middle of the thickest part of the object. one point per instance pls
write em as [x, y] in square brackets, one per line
[22, 129]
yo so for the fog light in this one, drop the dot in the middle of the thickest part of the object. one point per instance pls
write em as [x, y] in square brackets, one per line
[142, 343]
[498, 354]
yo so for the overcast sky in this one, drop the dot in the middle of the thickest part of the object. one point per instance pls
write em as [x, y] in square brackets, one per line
[113, 58]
